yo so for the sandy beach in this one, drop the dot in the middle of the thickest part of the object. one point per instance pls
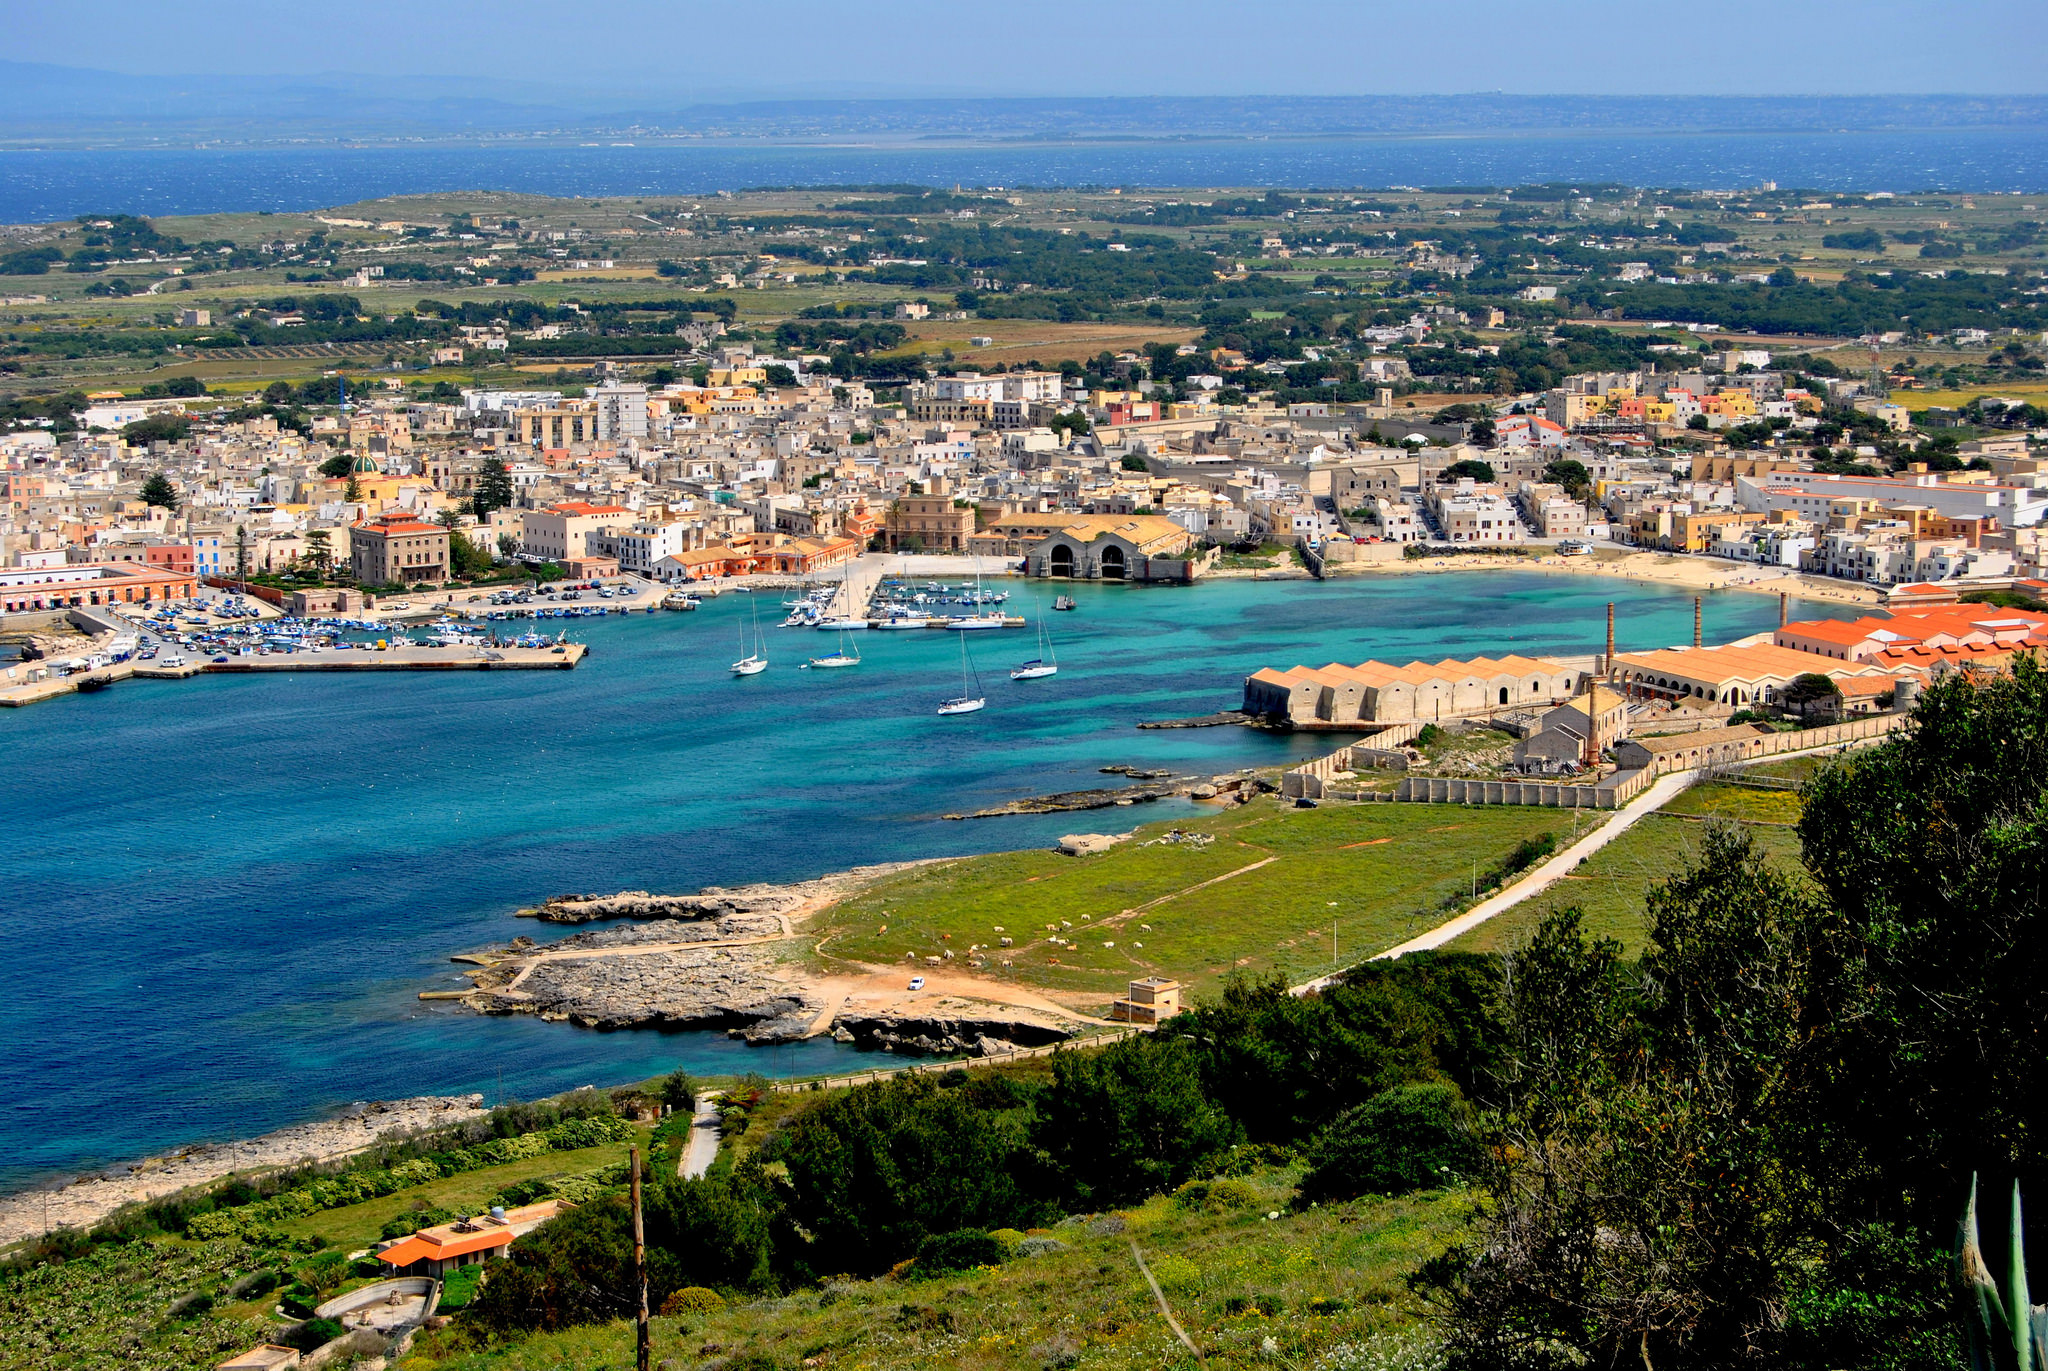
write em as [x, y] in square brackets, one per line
[1689, 572]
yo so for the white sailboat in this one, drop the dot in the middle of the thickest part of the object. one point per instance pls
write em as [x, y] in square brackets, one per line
[755, 662]
[1046, 663]
[970, 698]
[847, 655]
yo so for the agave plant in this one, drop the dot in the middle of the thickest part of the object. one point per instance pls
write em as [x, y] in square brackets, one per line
[2006, 1331]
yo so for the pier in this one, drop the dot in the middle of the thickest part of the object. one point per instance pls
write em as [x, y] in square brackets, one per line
[556, 658]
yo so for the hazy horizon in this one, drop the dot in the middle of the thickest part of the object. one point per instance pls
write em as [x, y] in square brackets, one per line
[906, 49]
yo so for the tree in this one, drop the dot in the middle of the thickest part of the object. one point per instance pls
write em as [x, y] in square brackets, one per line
[241, 550]
[278, 393]
[1811, 693]
[160, 428]
[1129, 1121]
[493, 489]
[1070, 422]
[1569, 473]
[1933, 851]
[1470, 468]
[1483, 432]
[159, 491]
[1639, 1209]
[1133, 462]
[779, 375]
[319, 549]
[338, 466]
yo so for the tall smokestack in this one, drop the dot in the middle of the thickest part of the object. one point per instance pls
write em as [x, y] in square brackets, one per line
[1695, 621]
[1782, 595]
[1607, 663]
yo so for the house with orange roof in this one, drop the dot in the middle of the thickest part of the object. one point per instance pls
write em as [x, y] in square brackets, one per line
[467, 1241]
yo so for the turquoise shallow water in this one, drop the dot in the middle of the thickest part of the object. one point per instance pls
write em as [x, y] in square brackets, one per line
[221, 897]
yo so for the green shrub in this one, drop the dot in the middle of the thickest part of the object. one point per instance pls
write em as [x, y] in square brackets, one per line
[1216, 1196]
[1410, 1138]
[313, 1333]
[693, 1299]
[961, 1250]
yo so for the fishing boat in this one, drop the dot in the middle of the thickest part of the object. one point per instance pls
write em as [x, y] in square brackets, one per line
[1065, 602]
[847, 655]
[755, 662]
[1046, 663]
[970, 698]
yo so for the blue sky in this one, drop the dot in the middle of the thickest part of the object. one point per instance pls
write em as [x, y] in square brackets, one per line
[1107, 47]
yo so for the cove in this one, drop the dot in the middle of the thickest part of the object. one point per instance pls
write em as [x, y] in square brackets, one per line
[222, 896]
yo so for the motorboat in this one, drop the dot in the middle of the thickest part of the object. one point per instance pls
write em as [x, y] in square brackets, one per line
[1065, 602]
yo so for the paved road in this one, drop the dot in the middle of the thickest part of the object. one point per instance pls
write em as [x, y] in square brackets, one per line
[1537, 881]
[704, 1133]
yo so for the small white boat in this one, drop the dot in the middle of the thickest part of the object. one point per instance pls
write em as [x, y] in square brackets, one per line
[841, 625]
[843, 657]
[904, 621]
[969, 622]
[970, 697]
[755, 662]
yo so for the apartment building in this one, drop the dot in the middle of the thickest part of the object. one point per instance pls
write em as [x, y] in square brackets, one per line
[566, 530]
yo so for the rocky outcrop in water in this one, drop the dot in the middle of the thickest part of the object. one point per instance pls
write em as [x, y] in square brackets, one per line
[920, 1035]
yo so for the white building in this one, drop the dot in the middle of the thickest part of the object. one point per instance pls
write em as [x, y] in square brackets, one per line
[621, 411]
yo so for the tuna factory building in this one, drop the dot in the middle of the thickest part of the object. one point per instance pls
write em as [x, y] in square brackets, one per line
[1375, 692]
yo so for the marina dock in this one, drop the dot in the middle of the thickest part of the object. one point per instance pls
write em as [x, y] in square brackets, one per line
[556, 658]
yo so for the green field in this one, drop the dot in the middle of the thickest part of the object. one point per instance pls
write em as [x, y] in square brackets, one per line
[357, 1226]
[1312, 1282]
[1281, 877]
[1610, 886]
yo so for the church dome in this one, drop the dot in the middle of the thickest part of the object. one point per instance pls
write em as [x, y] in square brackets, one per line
[366, 465]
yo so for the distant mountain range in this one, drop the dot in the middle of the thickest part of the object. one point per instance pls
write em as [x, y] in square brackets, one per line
[42, 104]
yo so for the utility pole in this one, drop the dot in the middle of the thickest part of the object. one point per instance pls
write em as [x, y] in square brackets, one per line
[639, 1259]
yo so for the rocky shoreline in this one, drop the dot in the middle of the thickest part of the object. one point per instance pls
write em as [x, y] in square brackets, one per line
[90, 1199]
[719, 960]
[1150, 787]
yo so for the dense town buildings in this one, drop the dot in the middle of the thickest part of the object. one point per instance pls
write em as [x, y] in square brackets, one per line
[725, 471]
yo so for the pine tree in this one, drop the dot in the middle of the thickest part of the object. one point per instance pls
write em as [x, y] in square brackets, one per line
[159, 491]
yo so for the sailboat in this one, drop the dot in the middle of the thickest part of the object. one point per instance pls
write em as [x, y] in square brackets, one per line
[1046, 663]
[754, 662]
[843, 657]
[970, 699]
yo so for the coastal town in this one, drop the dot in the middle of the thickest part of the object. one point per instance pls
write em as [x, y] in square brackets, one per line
[267, 458]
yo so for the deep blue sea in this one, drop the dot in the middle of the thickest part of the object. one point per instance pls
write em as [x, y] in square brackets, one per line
[222, 896]
[46, 185]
